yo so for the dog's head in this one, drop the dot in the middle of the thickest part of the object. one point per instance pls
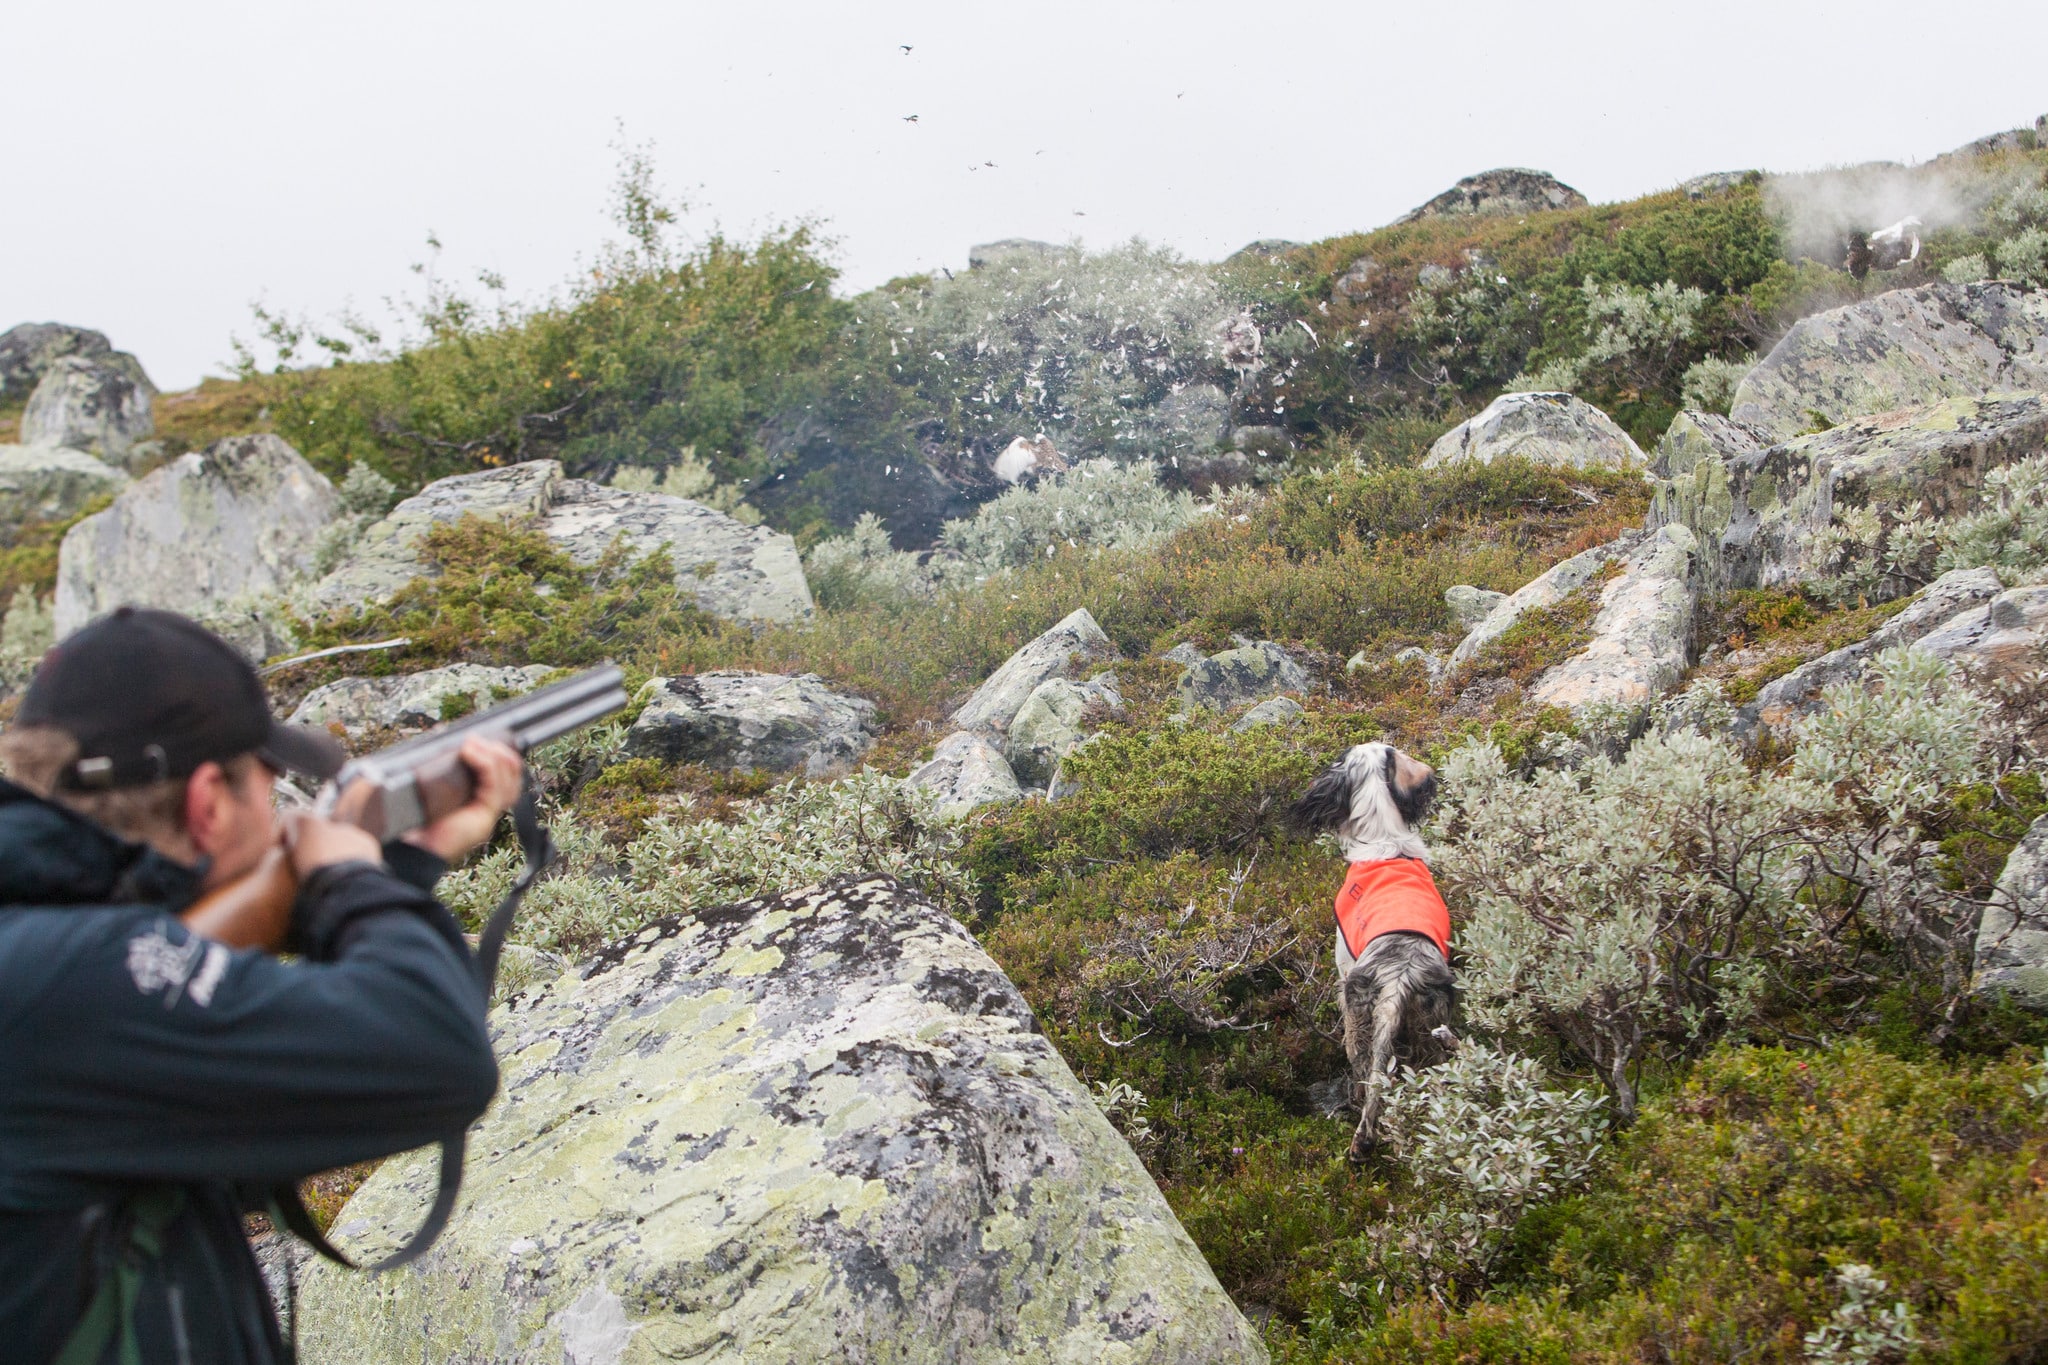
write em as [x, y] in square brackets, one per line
[1373, 798]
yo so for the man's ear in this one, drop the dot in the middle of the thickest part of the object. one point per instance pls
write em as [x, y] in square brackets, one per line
[209, 795]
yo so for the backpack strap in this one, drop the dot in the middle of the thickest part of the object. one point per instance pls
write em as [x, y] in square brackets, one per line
[127, 1241]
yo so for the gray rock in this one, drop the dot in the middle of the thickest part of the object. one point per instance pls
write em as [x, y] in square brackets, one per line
[412, 701]
[750, 721]
[1759, 514]
[1265, 443]
[386, 556]
[1195, 418]
[1048, 725]
[990, 253]
[1785, 700]
[1509, 192]
[1070, 645]
[819, 1126]
[1547, 589]
[1184, 653]
[1642, 638]
[88, 406]
[2012, 936]
[1548, 428]
[1272, 711]
[1432, 664]
[281, 1259]
[737, 571]
[1355, 284]
[1253, 670]
[49, 483]
[1904, 348]
[2004, 636]
[28, 351]
[1264, 249]
[1064, 783]
[740, 572]
[238, 519]
[967, 772]
[1717, 182]
[1469, 605]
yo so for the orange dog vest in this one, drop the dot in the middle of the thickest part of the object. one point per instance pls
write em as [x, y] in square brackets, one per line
[1390, 894]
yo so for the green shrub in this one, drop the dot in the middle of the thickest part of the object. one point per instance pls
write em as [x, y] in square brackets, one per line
[505, 594]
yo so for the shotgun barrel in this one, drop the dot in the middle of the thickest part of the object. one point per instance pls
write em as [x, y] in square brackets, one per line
[415, 783]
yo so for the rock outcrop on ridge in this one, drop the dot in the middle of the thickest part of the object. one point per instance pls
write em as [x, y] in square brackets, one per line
[817, 1126]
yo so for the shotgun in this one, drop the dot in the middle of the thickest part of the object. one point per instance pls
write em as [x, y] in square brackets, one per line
[403, 788]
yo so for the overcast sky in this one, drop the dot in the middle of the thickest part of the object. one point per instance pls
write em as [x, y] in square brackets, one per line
[170, 163]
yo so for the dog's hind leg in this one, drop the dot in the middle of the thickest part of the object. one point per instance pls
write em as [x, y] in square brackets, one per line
[1374, 1018]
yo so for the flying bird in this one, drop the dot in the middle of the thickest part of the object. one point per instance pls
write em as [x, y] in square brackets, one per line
[905, 47]
[910, 118]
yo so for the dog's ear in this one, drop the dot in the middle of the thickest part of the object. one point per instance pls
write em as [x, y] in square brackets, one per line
[1327, 802]
[1414, 802]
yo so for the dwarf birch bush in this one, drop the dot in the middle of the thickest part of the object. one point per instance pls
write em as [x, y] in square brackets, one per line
[1486, 1142]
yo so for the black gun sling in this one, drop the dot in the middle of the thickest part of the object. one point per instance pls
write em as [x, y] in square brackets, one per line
[289, 1209]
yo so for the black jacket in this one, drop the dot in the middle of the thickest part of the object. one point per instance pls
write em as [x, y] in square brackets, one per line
[134, 1055]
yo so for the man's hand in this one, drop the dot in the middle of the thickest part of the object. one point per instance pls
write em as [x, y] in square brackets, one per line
[313, 842]
[498, 770]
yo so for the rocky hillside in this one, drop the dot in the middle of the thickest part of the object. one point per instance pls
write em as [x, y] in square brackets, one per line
[931, 966]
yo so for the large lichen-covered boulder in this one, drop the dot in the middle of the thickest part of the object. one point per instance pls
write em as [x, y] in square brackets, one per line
[967, 772]
[733, 570]
[1509, 192]
[751, 722]
[1784, 700]
[28, 350]
[821, 1126]
[1642, 636]
[240, 518]
[412, 701]
[1547, 589]
[50, 483]
[89, 406]
[1766, 517]
[1050, 724]
[1255, 669]
[1547, 428]
[2012, 936]
[1071, 643]
[1905, 348]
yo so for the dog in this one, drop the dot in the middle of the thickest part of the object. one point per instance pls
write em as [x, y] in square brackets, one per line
[1395, 988]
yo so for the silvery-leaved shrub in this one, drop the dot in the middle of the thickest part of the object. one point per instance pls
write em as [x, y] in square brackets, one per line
[799, 834]
[1634, 336]
[1625, 902]
[862, 567]
[365, 496]
[1861, 1331]
[1709, 384]
[1098, 504]
[1650, 901]
[1485, 1141]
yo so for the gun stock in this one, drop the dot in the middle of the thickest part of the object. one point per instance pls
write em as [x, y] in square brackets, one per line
[396, 790]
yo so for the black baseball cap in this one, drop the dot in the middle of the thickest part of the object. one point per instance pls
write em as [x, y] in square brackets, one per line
[150, 695]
